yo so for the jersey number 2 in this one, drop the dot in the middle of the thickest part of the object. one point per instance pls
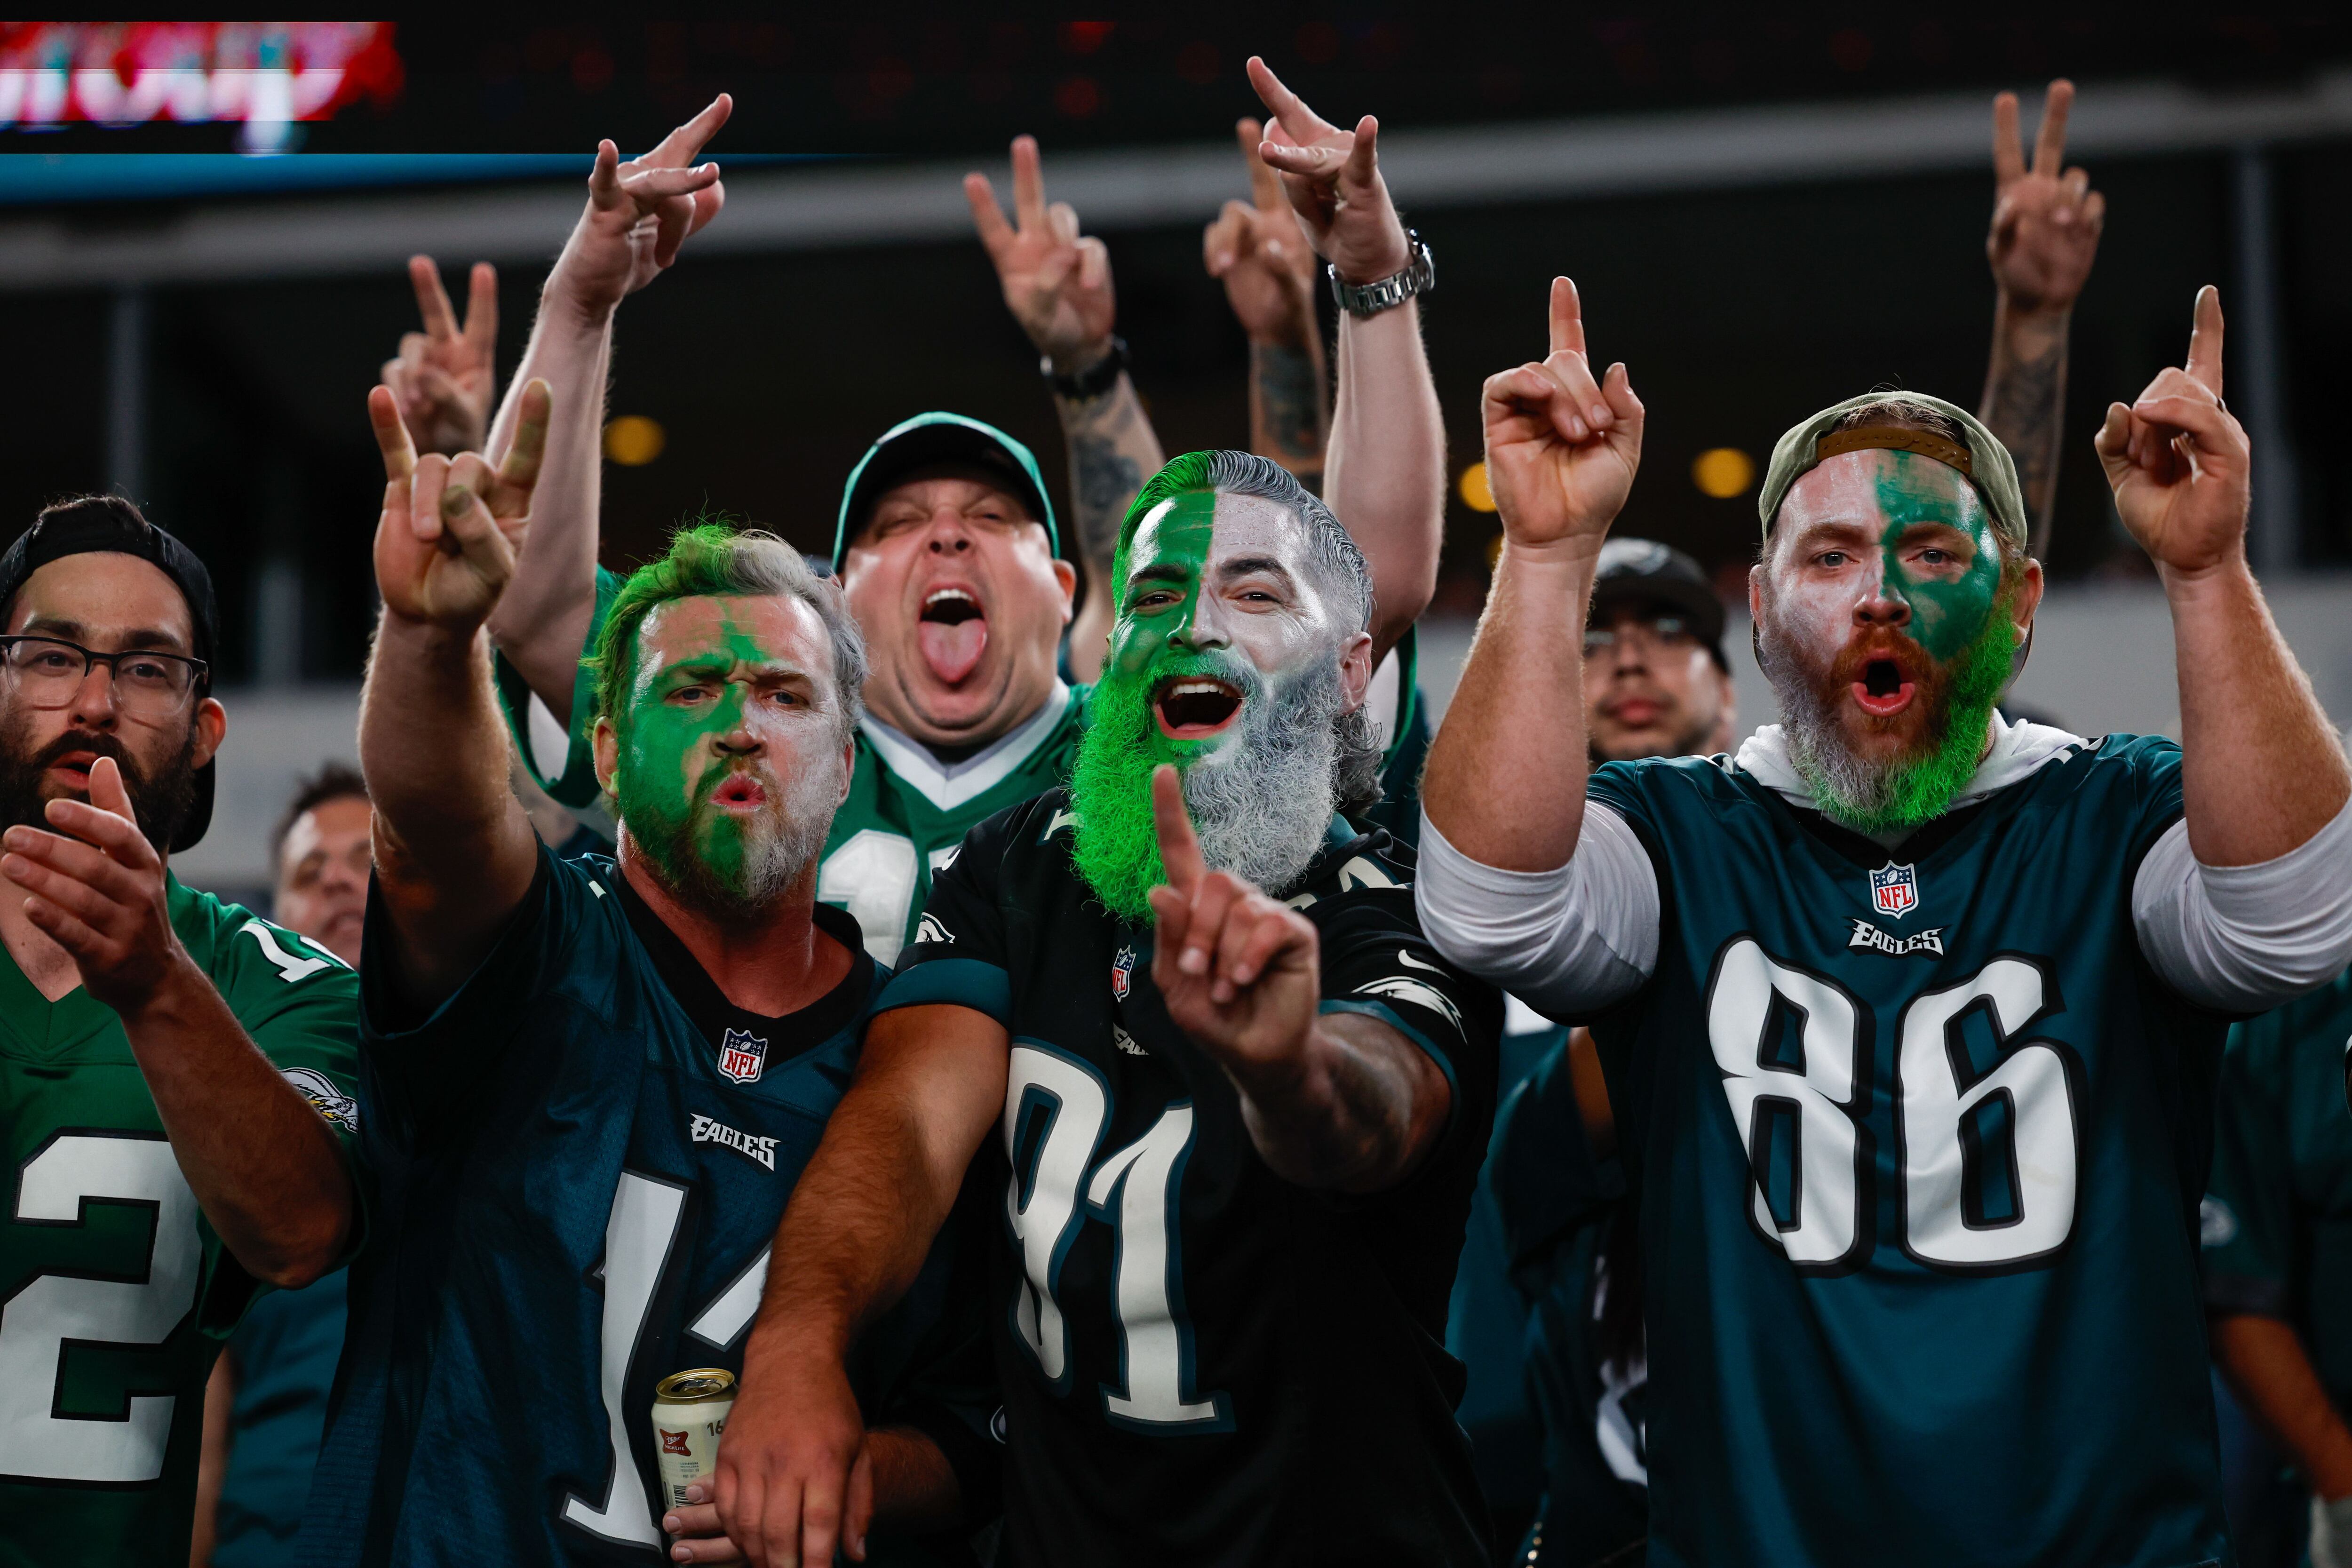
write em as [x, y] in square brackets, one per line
[1988, 1153]
[1059, 1107]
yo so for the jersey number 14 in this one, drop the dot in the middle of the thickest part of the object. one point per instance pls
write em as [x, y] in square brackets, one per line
[1987, 1158]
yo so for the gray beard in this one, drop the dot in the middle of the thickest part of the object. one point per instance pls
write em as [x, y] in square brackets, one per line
[1261, 804]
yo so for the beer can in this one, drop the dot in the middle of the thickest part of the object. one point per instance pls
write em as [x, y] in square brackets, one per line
[689, 1414]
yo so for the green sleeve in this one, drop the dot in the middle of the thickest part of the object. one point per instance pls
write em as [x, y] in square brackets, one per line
[576, 786]
[2248, 1213]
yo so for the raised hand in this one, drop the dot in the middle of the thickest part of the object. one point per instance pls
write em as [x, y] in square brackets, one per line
[640, 212]
[1561, 449]
[1240, 972]
[2178, 460]
[443, 377]
[2046, 219]
[447, 539]
[1333, 179]
[96, 886]
[1258, 251]
[1056, 282]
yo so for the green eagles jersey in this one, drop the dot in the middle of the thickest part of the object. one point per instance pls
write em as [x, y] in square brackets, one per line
[908, 812]
[119, 1295]
[1918, 1141]
[2277, 1220]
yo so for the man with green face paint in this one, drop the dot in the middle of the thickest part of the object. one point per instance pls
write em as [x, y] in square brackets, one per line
[1910, 1017]
[593, 1082]
[1232, 1101]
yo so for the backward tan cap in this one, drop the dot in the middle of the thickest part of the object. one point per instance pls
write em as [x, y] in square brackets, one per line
[1989, 468]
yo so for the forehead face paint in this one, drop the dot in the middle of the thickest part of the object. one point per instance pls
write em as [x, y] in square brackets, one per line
[1948, 609]
[1205, 571]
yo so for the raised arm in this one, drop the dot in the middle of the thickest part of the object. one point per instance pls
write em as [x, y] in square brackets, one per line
[638, 215]
[1258, 251]
[443, 377]
[454, 852]
[2046, 233]
[1058, 285]
[797, 1470]
[1561, 451]
[2261, 769]
[1385, 474]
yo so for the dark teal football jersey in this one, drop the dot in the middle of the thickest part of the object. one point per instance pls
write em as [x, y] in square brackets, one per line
[579, 1186]
[2278, 1211]
[1919, 1140]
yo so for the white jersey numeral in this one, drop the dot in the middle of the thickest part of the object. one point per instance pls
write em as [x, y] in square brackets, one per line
[55, 1188]
[290, 966]
[1989, 1159]
[1041, 1206]
[638, 1235]
[872, 875]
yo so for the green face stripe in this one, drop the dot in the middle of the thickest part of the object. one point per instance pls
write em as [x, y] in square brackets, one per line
[1947, 614]
[666, 769]
[1173, 544]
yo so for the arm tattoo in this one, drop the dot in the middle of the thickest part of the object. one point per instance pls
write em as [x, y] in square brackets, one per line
[1293, 415]
[1105, 470]
[2024, 404]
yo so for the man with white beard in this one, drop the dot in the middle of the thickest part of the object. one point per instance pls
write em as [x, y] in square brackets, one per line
[1239, 1104]
[591, 1083]
[1910, 1016]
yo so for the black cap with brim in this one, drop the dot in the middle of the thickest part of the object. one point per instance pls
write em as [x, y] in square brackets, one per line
[926, 441]
[1644, 572]
[110, 523]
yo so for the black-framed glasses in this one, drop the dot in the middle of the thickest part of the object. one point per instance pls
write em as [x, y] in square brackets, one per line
[47, 671]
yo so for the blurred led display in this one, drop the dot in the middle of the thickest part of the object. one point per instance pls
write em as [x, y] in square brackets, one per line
[264, 77]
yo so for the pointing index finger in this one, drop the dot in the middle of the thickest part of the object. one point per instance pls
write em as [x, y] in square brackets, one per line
[679, 147]
[432, 299]
[2050, 144]
[1303, 123]
[482, 307]
[1180, 848]
[1028, 184]
[1566, 316]
[2205, 341]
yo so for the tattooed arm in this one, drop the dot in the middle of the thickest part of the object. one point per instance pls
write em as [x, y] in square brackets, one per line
[2046, 233]
[1263, 258]
[1113, 450]
[1057, 285]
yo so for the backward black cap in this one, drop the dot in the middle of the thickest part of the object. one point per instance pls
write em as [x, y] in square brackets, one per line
[88, 523]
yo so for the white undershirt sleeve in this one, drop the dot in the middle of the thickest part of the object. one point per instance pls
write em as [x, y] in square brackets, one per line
[1568, 943]
[2245, 938]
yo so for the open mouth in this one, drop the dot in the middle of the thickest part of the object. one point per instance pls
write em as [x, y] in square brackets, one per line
[1882, 692]
[952, 631]
[76, 766]
[741, 791]
[1194, 707]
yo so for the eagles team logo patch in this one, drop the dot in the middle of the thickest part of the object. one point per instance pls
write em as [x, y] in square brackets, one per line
[340, 1109]
[1894, 891]
[932, 931]
[742, 1056]
[1122, 973]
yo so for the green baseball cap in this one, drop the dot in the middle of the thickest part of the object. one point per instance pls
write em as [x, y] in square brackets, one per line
[940, 437]
[1984, 460]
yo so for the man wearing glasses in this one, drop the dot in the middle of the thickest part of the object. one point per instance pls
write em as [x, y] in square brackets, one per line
[1655, 683]
[175, 1075]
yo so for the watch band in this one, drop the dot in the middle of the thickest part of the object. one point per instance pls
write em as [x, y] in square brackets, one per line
[1419, 277]
[1094, 380]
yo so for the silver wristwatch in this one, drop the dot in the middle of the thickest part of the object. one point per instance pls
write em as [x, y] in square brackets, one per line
[1419, 277]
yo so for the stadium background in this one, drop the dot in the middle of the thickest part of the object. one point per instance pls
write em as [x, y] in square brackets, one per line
[1765, 210]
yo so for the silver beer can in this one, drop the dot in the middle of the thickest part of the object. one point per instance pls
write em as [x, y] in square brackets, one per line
[690, 1412]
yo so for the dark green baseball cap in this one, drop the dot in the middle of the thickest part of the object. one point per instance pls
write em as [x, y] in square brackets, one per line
[932, 438]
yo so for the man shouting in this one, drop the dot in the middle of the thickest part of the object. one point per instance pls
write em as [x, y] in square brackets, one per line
[1238, 1106]
[1910, 1016]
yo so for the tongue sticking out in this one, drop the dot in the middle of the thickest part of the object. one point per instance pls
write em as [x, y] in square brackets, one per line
[951, 648]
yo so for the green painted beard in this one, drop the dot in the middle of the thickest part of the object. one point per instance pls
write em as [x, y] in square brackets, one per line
[1910, 791]
[1117, 848]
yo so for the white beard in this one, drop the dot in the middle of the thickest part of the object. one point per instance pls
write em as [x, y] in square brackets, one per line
[1262, 802]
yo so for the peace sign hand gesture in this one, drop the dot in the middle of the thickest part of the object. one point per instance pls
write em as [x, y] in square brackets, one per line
[640, 212]
[2045, 223]
[447, 540]
[1333, 179]
[1057, 283]
[1562, 450]
[1240, 974]
[1258, 251]
[443, 375]
[2176, 459]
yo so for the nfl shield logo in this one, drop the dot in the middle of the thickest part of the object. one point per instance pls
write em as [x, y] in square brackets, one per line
[1894, 891]
[1122, 972]
[741, 1055]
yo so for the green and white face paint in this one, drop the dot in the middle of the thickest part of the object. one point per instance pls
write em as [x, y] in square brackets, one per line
[1887, 633]
[727, 762]
[1225, 660]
